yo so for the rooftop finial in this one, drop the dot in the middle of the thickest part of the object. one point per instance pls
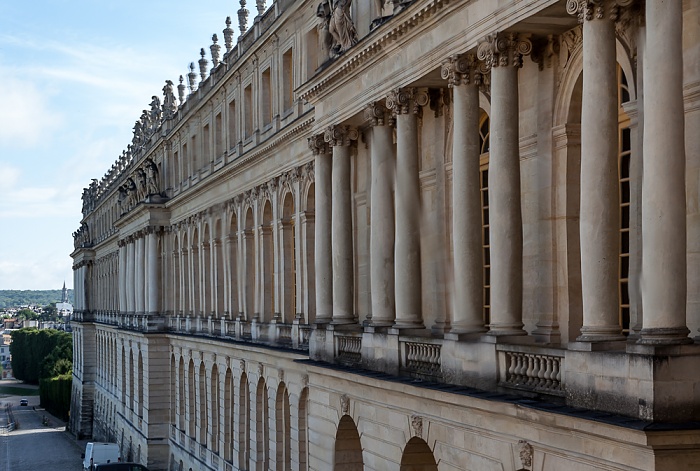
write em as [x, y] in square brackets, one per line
[181, 90]
[243, 18]
[203, 65]
[192, 78]
[228, 35]
[215, 49]
[260, 5]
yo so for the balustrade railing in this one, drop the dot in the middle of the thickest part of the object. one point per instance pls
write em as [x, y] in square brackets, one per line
[284, 333]
[348, 349]
[421, 359]
[533, 371]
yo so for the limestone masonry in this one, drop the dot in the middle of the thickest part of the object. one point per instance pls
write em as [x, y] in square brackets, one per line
[420, 235]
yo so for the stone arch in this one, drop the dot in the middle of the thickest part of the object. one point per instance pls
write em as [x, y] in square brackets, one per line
[203, 409]
[229, 408]
[244, 422]
[262, 425]
[140, 386]
[173, 391]
[283, 429]
[303, 430]
[181, 393]
[132, 385]
[123, 376]
[417, 456]
[191, 404]
[215, 409]
[348, 448]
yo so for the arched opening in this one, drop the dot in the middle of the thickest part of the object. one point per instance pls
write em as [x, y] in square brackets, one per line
[417, 456]
[181, 394]
[485, 145]
[203, 410]
[132, 383]
[191, 404]
[140, 386]
[348, 449]
[243, 423]
[267, 297]
[215, 409]
[123, 376]
[229, 405]
[303, 429]
[283, 429]
[173, 392]
[262, 425]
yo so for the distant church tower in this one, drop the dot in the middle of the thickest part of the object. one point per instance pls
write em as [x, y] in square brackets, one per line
[64, 294]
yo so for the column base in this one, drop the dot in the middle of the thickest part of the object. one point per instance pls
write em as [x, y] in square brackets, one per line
[601, 334]
[500, 330]
[343, 321]
[664, 336]
[467, 329]
[409, 325]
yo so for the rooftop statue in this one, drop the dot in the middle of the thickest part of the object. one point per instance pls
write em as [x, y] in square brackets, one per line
[336, 14]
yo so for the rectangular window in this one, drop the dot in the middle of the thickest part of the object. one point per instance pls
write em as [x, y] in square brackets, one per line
[287, 80]
[206, 150]
[248, 102]
[312, 46]
[266, 97]
[232, 131]
[218, 134]
[195, 154]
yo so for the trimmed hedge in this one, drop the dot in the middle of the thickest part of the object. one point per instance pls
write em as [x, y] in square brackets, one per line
[55, 394]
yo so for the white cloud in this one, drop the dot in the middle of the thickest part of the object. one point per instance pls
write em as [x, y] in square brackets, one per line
[25, 117]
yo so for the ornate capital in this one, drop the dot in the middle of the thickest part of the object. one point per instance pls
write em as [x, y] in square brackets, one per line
[340, 135]
[407, 100]
[317, 144]
[463, 69]
[587, 10]
[544, 51]
[376, 114]
[504, 49]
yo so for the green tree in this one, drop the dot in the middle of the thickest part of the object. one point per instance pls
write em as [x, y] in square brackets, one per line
[35, 353]
[27, 314]
[49, 312]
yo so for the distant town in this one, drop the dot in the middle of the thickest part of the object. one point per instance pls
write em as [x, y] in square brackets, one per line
[40, 309]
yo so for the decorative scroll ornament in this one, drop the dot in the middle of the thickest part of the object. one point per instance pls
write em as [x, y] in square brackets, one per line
[317, 144]
[376, 114]
[407, 100]
[587, 10]
[526, 452]
[344, 404]
[340, 135]
[463, 69]
[503, 50]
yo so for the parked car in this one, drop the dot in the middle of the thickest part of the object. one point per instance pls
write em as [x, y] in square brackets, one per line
[100, 453]
[120, 467]
[23, 402]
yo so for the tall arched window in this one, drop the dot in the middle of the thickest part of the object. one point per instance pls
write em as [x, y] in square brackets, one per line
[484, 143]
[624, 157]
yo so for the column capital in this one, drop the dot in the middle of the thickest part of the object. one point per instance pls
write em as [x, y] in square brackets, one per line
[587, 10]
[340, 135]
[504, 49]
[377, 114]
[317, 144]
[407, 100]
[463, 69]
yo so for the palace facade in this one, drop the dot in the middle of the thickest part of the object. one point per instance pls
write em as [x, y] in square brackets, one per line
[421, 235]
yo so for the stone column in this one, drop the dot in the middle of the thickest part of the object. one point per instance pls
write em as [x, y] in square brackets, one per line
[406, 104]
[381, 244]
[130, 273]
[140, 273]
[153, 275]
[464, 78]
[322, 259]
[664, 267]
[340, 137]
[122, 277]
[503, 53]
[600, 192]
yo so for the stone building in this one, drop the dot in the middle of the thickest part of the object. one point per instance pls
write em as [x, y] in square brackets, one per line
[421, 235]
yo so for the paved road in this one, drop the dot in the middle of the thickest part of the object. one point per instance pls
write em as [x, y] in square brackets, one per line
[35, 446]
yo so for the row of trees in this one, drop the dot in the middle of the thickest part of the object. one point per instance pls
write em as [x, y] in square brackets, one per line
[48, 313]
[16, 298]
[45, 357]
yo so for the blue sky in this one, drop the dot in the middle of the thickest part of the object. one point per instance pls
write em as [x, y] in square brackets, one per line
[74, 76]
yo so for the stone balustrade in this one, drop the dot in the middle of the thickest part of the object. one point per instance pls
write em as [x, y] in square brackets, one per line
[533, 370]
[421, 359]
[348, 349]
